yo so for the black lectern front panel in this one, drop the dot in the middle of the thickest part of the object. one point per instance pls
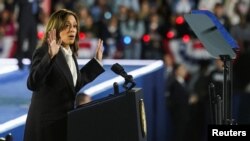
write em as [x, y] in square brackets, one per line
[114, 118]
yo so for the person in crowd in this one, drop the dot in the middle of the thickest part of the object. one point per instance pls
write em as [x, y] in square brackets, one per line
[112, 36]
[27, 29]
[219, 12]
[132, 29]
[216, 76]
[7, 33]
[55, 78]
[178, 103]
[199, 102]
[152, 47]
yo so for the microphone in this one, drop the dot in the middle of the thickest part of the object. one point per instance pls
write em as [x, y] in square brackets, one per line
[118, 69]
[116, 88]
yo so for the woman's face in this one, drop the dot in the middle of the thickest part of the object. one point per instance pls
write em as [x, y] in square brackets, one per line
[68, 34]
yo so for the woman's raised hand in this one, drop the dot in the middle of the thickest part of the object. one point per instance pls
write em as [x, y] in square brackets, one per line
[54, 45]
[99, 50]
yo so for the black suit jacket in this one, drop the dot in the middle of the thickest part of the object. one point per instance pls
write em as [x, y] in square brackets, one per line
[53, 94]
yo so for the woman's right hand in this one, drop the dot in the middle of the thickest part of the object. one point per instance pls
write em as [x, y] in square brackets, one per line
[54, 46]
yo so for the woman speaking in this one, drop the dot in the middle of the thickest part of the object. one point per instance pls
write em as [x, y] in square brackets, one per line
[55, 78]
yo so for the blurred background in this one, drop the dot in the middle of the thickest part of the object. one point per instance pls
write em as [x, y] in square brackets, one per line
[144, 30]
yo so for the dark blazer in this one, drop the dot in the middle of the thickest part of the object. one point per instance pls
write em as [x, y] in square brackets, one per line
[179, 110]
[53, 94]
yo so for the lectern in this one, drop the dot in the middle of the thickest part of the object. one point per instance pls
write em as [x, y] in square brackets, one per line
[119, 117]
[220, 45]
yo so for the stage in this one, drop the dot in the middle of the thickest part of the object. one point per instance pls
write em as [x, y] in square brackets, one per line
[148, 75]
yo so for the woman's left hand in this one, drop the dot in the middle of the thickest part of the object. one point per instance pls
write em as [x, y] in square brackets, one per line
[99, 50]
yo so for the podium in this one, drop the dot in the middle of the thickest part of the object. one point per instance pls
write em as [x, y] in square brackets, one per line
[220, 45]
[119, 117]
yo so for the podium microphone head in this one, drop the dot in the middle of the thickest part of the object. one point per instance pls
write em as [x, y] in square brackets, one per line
[118, 69]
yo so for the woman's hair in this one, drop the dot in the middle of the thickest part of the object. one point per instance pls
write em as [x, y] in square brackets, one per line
[58, 21]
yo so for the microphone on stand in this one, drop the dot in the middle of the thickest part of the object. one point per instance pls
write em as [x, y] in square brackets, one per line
[118, 69]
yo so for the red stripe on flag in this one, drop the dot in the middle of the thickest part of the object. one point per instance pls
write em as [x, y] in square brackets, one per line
[84, 45]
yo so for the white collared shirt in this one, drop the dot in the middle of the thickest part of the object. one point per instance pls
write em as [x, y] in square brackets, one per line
[70, 61]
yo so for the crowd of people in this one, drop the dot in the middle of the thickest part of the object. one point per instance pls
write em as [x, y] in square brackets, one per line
[131, 29]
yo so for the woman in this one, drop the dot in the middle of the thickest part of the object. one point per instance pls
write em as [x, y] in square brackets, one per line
[55, 79]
